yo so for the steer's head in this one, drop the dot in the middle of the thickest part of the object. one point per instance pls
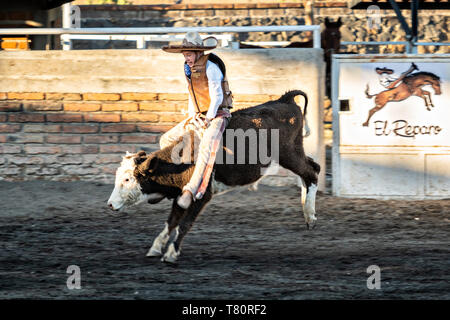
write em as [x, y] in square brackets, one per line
[128, 189]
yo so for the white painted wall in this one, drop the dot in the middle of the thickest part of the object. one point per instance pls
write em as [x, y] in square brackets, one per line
[386, 159]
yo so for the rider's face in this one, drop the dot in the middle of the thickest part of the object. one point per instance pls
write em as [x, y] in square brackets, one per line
[190, 57]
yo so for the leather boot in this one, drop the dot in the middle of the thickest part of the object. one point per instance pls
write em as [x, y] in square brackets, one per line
[185, 200]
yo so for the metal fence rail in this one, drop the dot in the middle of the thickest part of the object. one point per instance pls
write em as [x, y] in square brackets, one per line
[407, 44]
[141, 40]
[157, 30]
[142, 35]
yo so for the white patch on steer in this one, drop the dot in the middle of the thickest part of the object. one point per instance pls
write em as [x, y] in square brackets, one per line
[127, 191]
[306, 128]
[300, 183]
[171, 254]
[303, 198]
[270, 170]
[310, 205]
[159, 243]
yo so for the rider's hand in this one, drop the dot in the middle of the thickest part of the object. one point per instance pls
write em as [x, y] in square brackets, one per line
[204, 121]
[207, 121]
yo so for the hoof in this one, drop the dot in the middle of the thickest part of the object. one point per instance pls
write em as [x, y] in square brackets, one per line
[311, 225]
[310, 222]
[154, 253]
[365, 124]
[169, 260]
[171, 255]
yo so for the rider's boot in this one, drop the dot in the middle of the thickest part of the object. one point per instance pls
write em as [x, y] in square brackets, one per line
[185, 200]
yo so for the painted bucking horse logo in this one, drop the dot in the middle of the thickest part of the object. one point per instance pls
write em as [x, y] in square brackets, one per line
[408, 84]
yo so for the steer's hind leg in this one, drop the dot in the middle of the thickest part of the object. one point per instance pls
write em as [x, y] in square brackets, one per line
[308, 171]
[309, 204]
[174, 247]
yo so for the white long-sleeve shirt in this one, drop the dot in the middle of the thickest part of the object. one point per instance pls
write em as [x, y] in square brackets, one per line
[215, 78]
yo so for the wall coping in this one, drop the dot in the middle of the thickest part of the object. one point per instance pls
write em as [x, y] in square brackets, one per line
[224, 6]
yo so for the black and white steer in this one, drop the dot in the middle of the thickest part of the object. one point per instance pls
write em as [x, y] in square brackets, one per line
[151, 177]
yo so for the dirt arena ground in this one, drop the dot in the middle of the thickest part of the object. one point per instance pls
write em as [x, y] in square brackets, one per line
[246, 245]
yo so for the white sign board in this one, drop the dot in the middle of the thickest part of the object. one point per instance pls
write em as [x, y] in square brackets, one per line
[391, 126]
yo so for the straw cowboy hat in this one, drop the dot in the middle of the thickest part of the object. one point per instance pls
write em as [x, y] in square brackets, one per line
[384, 70]
[193, 42]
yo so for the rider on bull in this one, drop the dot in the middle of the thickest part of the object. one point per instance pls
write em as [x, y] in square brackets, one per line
[208, 108]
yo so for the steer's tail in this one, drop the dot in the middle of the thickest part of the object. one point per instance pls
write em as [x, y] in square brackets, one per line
[289, 96]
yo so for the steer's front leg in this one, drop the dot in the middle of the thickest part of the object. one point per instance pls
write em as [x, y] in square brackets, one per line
[172, 252]
[174, 248]
[159, 243]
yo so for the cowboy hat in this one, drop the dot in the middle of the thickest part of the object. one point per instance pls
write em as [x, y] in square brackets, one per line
[384, 70]
[193, 42]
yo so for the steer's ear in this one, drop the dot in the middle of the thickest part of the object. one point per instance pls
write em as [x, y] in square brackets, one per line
[138, 160]
[141, 153]
[148, 166]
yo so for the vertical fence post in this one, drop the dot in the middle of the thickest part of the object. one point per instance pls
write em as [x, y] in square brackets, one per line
[140, 42]
[66, 24]
[316, 38]
[408, 48]
[414, 23]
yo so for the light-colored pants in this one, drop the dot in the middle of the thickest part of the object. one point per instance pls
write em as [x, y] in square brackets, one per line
[204, 151]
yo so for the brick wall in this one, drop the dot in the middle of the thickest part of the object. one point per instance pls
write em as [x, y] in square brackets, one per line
[68, 115]
[71, 136]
